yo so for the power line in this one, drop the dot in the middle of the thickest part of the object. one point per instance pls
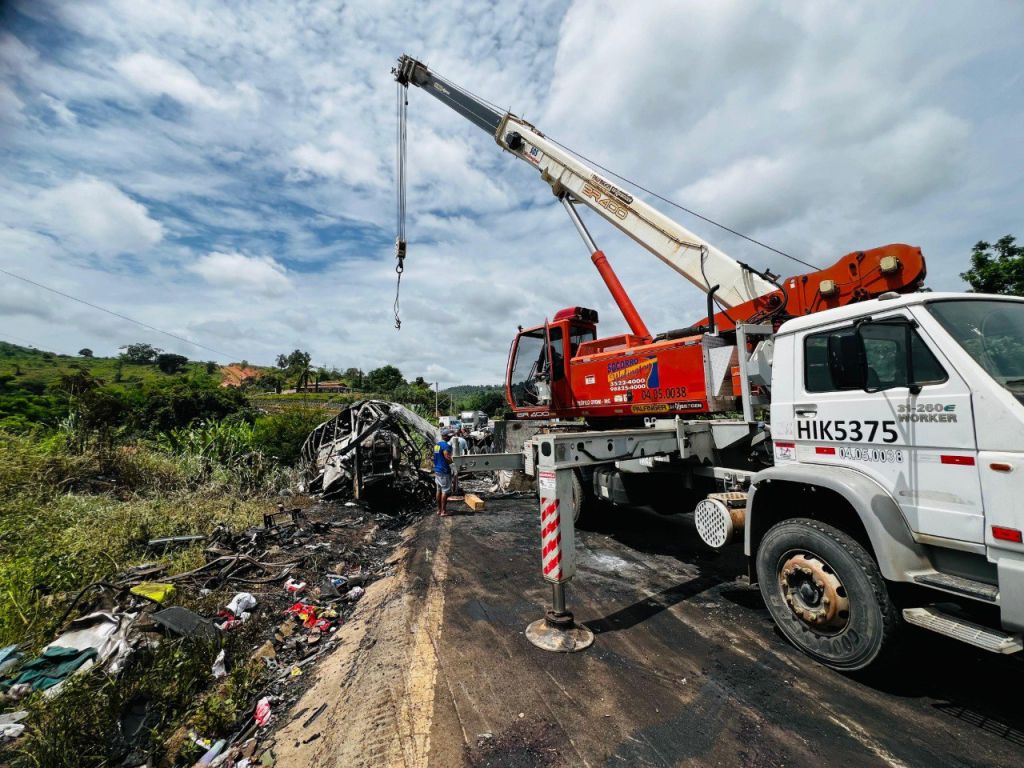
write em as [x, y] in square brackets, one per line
[18, 338]
[637, 185]
[115, 314]
[681, 207]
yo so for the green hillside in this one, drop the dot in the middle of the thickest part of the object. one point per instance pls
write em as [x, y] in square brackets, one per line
[30, 381]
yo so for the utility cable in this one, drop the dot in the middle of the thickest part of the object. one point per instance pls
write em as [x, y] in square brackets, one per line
[650, 192]
[116, 314]
[683, 208]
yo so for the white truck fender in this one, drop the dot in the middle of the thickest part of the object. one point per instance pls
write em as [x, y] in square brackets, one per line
[891, 540]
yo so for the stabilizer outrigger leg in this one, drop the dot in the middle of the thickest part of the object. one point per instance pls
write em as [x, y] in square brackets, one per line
[558, 630]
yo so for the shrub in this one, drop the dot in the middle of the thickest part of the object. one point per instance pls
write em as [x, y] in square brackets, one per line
[282, 434]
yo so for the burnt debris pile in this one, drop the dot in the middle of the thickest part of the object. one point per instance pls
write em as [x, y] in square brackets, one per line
[371, 447]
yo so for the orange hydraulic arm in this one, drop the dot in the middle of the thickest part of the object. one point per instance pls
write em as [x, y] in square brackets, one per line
[855, 277]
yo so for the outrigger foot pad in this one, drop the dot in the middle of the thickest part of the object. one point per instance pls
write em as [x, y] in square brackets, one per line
[558, 632]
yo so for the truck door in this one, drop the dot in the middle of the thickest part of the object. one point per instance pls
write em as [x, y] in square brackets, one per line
[527, 381]
[561, 387]
[907, 423]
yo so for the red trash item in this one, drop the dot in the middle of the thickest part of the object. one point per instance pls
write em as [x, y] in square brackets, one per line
[263, 714]
[306, 614]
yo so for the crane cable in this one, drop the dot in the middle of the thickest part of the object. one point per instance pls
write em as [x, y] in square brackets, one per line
[682, 208]
[400, 243]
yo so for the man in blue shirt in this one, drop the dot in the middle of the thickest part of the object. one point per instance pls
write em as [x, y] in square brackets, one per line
[443, 472]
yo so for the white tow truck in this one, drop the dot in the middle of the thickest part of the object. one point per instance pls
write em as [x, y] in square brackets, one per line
[887, 484]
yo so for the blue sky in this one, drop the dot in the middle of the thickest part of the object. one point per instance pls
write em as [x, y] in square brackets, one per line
[225, 171]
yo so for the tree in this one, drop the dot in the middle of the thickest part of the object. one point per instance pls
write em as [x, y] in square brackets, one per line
[354, 377]
[998, 268]
[170, 363]
[85, 352]
[322, 374]
[304, 373]
[490, 401]
[385, 379]
[272, 380]
[294, 362]
[139, 354]
[211, 366]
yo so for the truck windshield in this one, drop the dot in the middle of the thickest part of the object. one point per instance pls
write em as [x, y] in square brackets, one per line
[990, 331]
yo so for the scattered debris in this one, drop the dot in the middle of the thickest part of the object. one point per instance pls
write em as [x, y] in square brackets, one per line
[174, 541]
[263, 714]
[240, 603]
[11, 726]
[186, 623]
[316, 713]
[276, 593]
[474, 502]
[369, 443]
[153, 590]
[219, 668]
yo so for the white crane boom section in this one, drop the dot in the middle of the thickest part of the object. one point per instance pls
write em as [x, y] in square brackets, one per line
[698, 261]
[695, 259]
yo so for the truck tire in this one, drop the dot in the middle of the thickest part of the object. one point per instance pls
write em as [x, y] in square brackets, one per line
[826, 594]
[583, 500]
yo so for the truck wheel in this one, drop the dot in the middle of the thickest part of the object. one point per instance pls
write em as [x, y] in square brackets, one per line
[826, 594]
[583, 500]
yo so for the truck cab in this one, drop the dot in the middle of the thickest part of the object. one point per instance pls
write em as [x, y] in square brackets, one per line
[898, 439]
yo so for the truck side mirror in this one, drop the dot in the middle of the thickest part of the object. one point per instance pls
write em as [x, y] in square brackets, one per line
[847, 361]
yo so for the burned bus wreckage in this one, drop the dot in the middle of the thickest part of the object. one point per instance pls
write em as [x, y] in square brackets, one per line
[368, 444]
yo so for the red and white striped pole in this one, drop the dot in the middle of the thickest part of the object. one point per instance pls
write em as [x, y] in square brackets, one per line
[557, 631]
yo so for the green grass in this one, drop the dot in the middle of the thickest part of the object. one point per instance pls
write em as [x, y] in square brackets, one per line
[45, 368]
[70, 517]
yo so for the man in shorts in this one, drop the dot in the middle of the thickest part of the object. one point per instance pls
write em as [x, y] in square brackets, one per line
[443, 471]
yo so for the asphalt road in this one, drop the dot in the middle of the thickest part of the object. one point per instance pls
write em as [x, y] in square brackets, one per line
[687, 667]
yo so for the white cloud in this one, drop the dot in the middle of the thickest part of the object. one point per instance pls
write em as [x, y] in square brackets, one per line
[246, 274]
[157, 76]
[59, 109]
[268, 128]
[11, 107]
[95, 216]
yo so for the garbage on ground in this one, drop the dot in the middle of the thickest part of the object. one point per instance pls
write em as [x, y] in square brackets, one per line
[355, 593]
[153, 590]
[242, 602]
[174, 541]
[212, 752]
[263, 715]
[266, 651]
[52, 667]
[219, 667]
[186, 623]
[11, 726]
[237, 601]
[8, 657]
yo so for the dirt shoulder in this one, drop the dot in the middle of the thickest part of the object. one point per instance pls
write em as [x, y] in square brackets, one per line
[379, 685]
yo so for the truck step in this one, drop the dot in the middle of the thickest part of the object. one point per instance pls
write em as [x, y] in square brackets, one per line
[966, 631]
[976, 590]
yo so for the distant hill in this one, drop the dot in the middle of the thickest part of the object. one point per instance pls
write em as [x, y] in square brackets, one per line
[27, 376]
[464, 390]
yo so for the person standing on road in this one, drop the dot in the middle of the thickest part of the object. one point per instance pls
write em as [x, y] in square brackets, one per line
[443, 471]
